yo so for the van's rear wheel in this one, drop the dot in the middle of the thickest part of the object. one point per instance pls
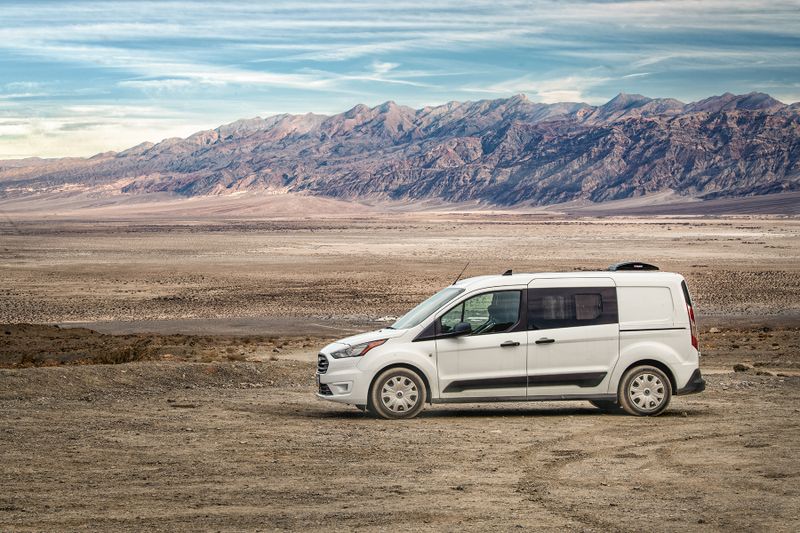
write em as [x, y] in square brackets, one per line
[644, 391]
[397, 393]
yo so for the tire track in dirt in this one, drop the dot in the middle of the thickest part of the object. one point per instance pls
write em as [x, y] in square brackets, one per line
[602, 486]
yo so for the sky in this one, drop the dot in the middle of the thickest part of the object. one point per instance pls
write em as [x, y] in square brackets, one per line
[82, 77]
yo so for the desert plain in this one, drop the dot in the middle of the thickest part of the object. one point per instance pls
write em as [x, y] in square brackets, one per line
[158, 374]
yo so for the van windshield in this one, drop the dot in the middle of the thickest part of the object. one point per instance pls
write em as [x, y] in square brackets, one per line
[424, 310]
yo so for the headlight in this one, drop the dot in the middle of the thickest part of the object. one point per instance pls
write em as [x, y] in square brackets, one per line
[357, 350]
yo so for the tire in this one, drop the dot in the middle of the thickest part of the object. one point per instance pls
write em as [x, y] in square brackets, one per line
[605, 405]
[397, 393]
[644, 391]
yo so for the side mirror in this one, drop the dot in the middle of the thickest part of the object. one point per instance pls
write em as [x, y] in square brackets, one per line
[462, 328]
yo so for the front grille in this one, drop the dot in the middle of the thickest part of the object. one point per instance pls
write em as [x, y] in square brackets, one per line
[325, 390]
[322, 364]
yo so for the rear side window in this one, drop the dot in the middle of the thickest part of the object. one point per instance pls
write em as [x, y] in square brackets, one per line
[571, 307]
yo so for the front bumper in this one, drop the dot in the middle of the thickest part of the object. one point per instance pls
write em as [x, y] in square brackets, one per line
[342, 381]
[695, 384]
[328, 390]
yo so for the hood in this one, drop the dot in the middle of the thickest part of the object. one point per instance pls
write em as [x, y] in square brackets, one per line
[363, 337]
[371, 336]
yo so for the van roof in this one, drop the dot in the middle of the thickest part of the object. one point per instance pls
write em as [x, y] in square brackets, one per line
[623, 278]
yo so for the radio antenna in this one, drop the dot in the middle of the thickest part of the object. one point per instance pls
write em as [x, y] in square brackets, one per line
[461, 274]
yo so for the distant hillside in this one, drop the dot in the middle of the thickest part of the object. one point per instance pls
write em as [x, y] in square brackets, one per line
[504, 152]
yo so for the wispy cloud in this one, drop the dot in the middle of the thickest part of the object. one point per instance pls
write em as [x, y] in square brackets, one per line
[549, 91]
[21, 96]
[86, 130]
[213, 60]
[165, 84]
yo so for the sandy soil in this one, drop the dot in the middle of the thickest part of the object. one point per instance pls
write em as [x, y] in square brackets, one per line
[212, 423]
[245, 446]
[787, 203]
[331, 273]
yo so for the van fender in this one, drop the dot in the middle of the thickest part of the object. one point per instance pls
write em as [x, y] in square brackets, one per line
[372, 365]
[644, 351]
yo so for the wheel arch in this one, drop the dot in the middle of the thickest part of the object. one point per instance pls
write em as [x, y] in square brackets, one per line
[659, 365]
[407, 366]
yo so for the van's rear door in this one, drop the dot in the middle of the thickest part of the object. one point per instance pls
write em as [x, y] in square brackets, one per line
[573, 336]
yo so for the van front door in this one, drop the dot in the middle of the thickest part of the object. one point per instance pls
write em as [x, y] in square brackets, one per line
[489, 362]
[573, 336]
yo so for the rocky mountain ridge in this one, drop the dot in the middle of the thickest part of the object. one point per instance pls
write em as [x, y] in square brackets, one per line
[505, 152]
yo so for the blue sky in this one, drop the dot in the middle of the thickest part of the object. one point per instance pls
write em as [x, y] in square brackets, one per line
[78, 77]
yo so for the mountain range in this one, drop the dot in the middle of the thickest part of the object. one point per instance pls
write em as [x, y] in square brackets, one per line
[502, 152]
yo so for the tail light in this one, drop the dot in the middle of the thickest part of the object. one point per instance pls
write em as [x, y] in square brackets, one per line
[693, 327]
[692, 323]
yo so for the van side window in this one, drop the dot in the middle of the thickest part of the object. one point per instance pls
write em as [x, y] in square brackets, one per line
[490, 312]
[571, 307]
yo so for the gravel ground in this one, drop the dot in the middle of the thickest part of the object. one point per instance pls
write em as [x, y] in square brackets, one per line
[246, 446]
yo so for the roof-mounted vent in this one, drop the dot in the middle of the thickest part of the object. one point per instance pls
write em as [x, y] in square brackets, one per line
[632, 265]
[508, 272]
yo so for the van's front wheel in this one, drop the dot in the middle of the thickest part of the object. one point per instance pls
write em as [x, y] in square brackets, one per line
[644, 391]
[397, 393]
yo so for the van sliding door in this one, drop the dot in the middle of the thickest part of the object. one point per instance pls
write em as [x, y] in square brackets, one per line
[573, 336]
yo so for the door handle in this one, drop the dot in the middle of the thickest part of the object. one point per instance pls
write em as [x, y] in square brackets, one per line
[545, 340]
[508, 344]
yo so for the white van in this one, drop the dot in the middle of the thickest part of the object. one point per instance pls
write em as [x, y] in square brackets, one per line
[625, 338]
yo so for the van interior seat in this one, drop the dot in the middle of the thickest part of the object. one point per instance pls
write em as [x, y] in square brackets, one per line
[504, 310]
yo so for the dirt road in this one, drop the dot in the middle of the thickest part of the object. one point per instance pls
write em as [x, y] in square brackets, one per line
[246, 446]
